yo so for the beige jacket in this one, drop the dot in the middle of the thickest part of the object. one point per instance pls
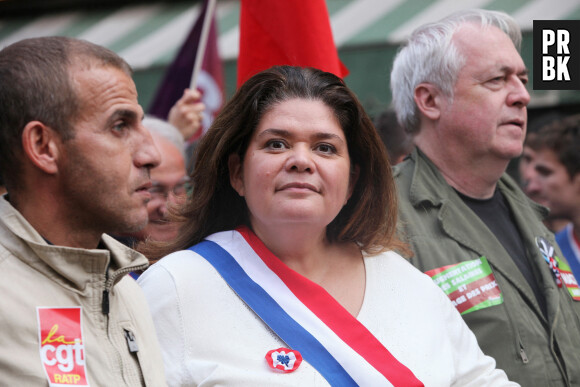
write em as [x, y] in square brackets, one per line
[53, 320]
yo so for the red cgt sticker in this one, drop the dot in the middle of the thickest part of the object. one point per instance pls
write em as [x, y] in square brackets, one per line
[284, 359]
[62, 348]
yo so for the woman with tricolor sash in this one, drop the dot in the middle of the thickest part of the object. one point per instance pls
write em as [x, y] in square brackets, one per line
[285, 271]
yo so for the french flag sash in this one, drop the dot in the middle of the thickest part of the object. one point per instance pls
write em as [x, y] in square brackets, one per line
[302, 313]
[570, 249]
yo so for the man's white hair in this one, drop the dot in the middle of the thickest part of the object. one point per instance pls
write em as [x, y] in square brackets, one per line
[430, 56]
[166, 130]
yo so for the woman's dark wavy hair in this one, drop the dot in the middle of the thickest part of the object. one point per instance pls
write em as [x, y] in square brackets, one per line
[369, 218]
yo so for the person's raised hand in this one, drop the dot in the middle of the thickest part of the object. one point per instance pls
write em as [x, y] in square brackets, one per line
[187, 113]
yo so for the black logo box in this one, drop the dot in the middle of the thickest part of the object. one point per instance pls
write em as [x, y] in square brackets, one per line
[573, 65]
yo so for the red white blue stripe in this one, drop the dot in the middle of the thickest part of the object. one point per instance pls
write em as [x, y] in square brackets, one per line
[570, 247]
[303, 314]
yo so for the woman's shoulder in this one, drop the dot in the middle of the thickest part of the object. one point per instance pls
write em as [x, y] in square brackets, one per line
[197, 262]
[177, 260]
[391, 266]
[389, 276]
[389, 260]
[179, 266]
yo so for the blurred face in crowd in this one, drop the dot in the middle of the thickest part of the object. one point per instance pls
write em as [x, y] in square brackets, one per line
[169, 188]
[105, 168]
[552, 183]
[487, 114]
[528, 173]
[296, 169]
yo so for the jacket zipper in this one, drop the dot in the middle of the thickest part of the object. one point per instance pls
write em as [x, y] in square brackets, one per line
[523, 355]
[131, 341]
[109, 282]
[518, 341]
[105, 303]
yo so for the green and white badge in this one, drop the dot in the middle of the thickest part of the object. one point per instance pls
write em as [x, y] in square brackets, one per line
[469, 285]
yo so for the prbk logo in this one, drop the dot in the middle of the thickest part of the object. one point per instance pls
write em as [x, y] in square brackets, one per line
[62, 349]
[556, 54]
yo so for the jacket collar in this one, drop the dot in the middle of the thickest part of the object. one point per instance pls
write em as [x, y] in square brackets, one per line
[428, 184]
[74, 267]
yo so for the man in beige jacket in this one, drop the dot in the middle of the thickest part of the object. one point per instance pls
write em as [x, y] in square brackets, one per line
[75, 160]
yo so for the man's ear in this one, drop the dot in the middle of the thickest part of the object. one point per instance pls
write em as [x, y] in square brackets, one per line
[429, 100]
[236, 173]
[39, 143]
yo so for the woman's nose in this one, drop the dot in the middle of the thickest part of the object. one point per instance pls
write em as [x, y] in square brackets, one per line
[300, 159]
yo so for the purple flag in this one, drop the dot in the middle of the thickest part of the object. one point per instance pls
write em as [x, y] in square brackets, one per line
[178, 75]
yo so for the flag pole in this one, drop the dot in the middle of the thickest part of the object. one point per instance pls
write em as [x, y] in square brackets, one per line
[207, 20]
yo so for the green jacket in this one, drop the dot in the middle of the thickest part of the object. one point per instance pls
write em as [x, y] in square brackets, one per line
[508, 324]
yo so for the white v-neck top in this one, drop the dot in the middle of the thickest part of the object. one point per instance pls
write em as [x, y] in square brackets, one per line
[210, 337]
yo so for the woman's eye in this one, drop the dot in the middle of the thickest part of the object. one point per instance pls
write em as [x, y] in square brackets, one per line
[276, 144]
[326, 148]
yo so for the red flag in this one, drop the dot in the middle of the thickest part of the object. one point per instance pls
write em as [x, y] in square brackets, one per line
[210, 80]
[286, 32]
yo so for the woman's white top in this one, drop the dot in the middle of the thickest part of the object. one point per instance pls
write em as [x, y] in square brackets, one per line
[210, 337]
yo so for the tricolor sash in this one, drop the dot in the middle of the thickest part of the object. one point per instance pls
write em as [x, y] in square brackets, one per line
[302, 313]
[570, 249]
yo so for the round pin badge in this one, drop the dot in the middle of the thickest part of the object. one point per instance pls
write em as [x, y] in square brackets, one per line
[284, 359]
